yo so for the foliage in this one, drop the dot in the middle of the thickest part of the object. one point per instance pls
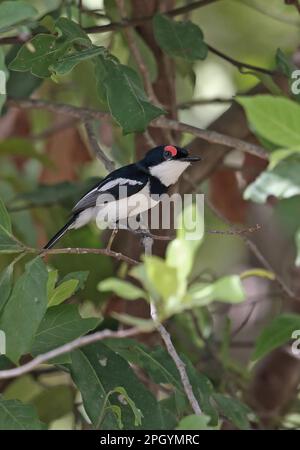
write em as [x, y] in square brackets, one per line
[55, 56]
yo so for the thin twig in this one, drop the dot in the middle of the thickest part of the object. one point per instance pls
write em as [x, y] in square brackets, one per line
[83, 251]
[202, 101]
[99, 153]
[211, 136]
[66, 348]
[240, 65]
[208, 135]
[118, 25]
[148, 242]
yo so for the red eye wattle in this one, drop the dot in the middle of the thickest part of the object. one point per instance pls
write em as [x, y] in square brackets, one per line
[171, 149]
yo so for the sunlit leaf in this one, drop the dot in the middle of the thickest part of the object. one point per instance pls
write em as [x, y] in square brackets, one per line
[122, 288]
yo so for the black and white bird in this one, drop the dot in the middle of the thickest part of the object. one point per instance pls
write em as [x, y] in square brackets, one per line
[142, 181]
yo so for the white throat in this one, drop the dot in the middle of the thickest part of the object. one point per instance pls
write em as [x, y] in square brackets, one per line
[168, 172]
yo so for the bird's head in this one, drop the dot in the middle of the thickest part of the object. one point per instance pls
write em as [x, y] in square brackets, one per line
[167, 162]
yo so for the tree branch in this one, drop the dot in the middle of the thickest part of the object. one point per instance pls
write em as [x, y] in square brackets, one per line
[66, 348]
[99, 153]
[148, 242]
[162, 122]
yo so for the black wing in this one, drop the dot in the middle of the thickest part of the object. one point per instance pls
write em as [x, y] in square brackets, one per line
[130, 177]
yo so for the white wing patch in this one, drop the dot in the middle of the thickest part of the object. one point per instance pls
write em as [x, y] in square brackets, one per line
[118, 181]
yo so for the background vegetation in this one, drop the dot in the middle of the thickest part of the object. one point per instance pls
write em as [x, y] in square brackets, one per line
[91, 85]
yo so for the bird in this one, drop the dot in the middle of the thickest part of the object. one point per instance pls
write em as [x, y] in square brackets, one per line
[142, 182]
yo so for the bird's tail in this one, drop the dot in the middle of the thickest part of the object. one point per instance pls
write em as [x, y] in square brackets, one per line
[60, 233]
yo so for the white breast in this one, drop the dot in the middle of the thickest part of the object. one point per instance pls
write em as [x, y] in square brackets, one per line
[169, 171]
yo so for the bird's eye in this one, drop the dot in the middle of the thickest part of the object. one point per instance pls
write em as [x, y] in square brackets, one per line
[170, 151]
[167, 154]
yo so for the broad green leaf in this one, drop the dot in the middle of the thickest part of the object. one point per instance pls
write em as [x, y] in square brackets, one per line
[44, 50]
[274, 118]
[81, 276]
[126, 399]
[143, 324]
[62, 292]
[227, 289]
[279, 155]
[122, 288]
[67, 63]
[39, 54]
[15, 13]
[97, 370]
[25, 309]
[122, 89]
[6, 280]
[283, 63]
[277, 333]
[60, 325]
[16, 416]
[4, 217]
[194, 422]
[281, 182]
[162, 277]
[52, 279]
[179, 39]
[236, 412]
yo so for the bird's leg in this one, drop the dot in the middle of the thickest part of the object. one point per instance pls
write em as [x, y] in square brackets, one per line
[112, 237]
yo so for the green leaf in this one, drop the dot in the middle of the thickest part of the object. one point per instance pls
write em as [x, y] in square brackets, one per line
[194, 422]
[6, 280]
[60, 325]
[282, 182]
[52, 279]
[15, 13]
[179, 39]
[162, 277]
[39, 54]
[283, 63]
[274, 118]
[62, 292]
[123, 289]
[25, 309]
[81, 276]
[97, 371]
[125, 398]
[8, 243]
[227, 289]
[279, 155]
[143, 324]
[16, 416]
[277, 333]
[4, 217]
[124, 94]
[235, 411]
[67, 63]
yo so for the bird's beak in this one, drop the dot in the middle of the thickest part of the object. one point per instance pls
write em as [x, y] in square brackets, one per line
[191, 158]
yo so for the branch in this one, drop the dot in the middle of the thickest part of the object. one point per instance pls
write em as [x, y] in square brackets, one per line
[148, 242]
[99, 153]
[113, 26]
[211, 136]
[83, 251]
[66, 348]
[162, 122]
[238, 64]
